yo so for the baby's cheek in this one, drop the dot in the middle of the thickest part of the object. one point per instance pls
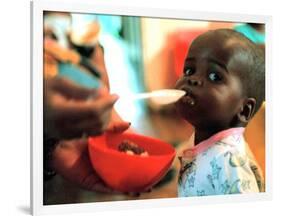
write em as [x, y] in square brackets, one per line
[179, 83]
[207, 102]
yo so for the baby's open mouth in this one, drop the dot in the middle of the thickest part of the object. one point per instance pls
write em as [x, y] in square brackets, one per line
[188, 98]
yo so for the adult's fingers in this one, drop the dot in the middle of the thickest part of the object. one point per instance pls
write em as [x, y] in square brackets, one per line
[74, 129]
[95, 126]
[118, 127]
[80, 144]
[68, 88]
[94, 183]
[104, 102]
[73, 109]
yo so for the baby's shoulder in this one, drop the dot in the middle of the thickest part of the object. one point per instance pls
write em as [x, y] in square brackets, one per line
[218, 149]
[227, 154]
[222, 152]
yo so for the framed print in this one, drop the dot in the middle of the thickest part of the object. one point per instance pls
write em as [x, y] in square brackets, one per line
[142, 107]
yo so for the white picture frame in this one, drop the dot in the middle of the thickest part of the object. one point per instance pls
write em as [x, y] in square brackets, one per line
[37, 9]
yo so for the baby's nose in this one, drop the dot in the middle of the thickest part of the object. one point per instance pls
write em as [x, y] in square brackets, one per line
[195, 82]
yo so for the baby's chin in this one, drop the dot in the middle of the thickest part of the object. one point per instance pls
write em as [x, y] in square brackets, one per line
[183, 111]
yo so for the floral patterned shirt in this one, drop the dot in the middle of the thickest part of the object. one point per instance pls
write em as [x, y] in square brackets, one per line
[221, 164]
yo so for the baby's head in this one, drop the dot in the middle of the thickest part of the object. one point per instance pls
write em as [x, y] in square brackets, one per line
[224, 80]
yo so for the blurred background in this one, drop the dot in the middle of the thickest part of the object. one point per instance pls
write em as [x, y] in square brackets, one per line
[140, 54]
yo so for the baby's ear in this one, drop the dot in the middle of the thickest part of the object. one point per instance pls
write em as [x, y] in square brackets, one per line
[247, 111]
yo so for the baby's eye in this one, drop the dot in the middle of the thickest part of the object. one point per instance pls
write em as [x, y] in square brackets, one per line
[188, 71]
[215, 77]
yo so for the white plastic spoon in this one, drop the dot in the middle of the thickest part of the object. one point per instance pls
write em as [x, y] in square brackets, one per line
[162, 97]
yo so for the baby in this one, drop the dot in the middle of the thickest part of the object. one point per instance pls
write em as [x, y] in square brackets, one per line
[224, 81]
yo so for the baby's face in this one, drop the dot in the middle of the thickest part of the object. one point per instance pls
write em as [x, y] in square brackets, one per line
[211, 80]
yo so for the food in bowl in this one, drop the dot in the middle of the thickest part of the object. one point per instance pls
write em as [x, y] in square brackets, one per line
[131, 148]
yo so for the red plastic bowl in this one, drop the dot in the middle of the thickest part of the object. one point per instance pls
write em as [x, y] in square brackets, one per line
[130, 173]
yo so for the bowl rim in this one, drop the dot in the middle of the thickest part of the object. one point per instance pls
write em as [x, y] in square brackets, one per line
[172, 154]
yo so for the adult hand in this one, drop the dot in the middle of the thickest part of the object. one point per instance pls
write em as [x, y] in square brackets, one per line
[71, 110]
[71, 160]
